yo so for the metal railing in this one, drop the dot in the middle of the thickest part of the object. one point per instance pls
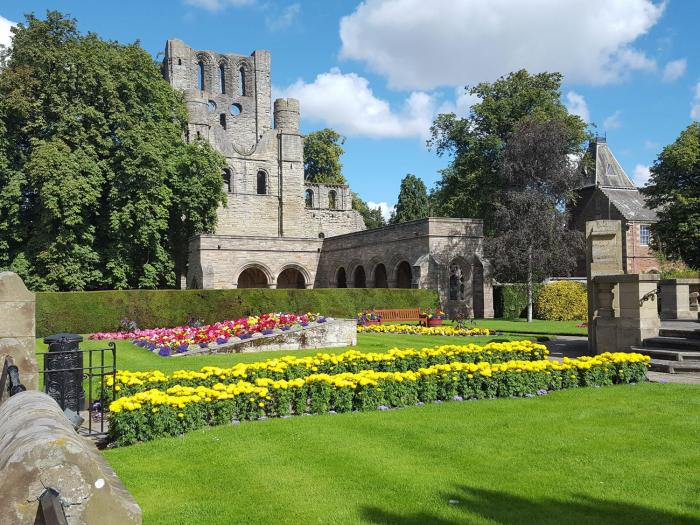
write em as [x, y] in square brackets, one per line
[76, 379]
[51, 508]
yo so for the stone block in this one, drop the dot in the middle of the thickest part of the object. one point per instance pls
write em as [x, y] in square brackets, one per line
[40, 449]
[17, 324]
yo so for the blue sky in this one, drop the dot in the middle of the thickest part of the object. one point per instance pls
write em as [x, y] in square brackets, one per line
[378, 71]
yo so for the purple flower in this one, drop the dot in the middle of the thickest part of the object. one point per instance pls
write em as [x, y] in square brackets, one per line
[285, 327]
[267, 331]
[221, 340]
[542, 392]
[321, 320]
[304, 324]
[203, 344]
[182, 348]
[245, 336]
[457, 398]
[382, 407]
[164, 351]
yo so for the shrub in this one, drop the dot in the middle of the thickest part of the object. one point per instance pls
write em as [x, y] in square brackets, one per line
[562, 301]
[510, 300]
[88, 312]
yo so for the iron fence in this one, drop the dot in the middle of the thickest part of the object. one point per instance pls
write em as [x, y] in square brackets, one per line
[77, 380]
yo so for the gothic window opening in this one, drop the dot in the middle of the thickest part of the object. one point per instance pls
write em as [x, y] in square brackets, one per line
[262, 183]
[222, 120]
[200, 75]
[222, 78]
[179, 61]
[241, 81]
[227, 180]
[309, 198]
[341, 278]
[332, 200]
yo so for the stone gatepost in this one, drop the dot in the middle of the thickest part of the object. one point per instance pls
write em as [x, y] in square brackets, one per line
[636, 319]
[675, 299]
[17, 307]
[603, 257]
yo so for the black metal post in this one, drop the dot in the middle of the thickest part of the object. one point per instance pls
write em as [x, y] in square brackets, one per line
[63, 371]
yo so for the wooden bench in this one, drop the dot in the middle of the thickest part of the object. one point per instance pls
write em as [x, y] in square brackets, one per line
[399, 314]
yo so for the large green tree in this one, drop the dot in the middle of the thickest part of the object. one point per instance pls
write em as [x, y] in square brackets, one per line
[412, 202]
[674, 191]
[372, 216]
[98, 189]
[472, 183]
[322, 152]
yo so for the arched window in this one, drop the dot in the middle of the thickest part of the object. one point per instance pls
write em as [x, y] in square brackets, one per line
[262, 183]
[331, 200]
[200, 75]
[309, 198]
[222, 78]
[241, 81]
[341, 279]
[222, 120]
[227, 179]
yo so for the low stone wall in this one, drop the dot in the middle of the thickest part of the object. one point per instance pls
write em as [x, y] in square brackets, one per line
[39, 449]
[335, 333]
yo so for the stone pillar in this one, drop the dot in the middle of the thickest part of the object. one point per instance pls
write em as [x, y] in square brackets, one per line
[17, 307]
[675, 299]
[694, 296]
[605, 323]
[603, 257]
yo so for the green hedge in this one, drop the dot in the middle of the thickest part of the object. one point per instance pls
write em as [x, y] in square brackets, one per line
[510, 300]
[85, 312]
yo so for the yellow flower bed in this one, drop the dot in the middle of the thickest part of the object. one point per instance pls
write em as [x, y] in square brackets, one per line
[288, 367]
[422, 330]
[155, 412]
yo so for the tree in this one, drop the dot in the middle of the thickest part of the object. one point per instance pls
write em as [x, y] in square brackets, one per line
[531, 239]
[322, 152]
[412, 202]
[372, 216]
[674, 191]
[97, 187]
[471, 185]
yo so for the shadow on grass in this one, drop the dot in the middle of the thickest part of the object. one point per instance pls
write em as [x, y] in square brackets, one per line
[500, 507]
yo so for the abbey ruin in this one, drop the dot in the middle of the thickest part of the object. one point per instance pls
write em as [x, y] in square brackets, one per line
[277, 231]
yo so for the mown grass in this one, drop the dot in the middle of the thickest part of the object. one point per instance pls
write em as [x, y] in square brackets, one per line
[624, 454]
[521, 326]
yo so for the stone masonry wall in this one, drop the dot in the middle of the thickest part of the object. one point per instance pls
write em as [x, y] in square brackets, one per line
[17, 307]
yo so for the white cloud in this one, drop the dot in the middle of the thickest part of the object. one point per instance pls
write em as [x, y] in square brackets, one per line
[674, 70]
[613, 121]
[577, 105]
[420, 45]
[385, 208]
[5, 35]
[641, 174]
[218, 5]
[345, 102]
[461, 105]
[282, 19]
[695, 105]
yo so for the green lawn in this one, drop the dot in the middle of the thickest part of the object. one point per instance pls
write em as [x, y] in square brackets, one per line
[625, 454]
[521, 326]
[131, 357]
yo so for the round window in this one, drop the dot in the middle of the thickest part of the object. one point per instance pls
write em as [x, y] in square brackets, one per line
[236, 109]
[211, 106]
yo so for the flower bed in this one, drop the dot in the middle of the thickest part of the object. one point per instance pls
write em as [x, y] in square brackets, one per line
[290, 367]
[423, 330]
[180, 338]
[154, 413]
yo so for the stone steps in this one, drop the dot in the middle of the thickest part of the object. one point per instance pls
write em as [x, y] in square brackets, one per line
[671, 332]
[675, 351]
[675, 367]
[668, 354]
[689, 344]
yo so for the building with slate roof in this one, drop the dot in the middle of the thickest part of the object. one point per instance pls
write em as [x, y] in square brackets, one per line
[608, 193]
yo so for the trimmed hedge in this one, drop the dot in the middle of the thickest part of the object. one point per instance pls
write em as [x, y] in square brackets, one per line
[510, 300]
[86, 312]
[562, 301]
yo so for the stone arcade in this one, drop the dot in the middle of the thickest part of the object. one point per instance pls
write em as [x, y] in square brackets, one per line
[278, 231]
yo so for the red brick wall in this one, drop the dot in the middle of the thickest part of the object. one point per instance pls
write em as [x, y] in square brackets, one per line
[638, 258]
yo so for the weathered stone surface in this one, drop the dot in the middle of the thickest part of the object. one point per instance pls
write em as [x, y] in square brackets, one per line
[40, 449]
[675, 299]
[17, 308]
[335, 333]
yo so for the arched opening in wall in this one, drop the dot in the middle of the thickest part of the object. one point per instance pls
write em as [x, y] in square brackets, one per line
[359, 279]
[309, 198]
[332, 200]
[404, 275]
[222, 120]
[291, 278]
[200, 75]
[252, 278]
[380, 279]
[262, 183]
[222, 78]
[341, 279]
[226, 174]
[457, 289]
[478, 288]
[241, 81]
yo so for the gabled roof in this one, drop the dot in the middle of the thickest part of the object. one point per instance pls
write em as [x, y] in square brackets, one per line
[606, 171]
[630, 203]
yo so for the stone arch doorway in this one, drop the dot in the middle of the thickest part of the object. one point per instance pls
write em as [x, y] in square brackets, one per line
[404, 275]
[291, 278]
[253, 277]
[478, 288]
[359, 279]
[341, 279]
[380, 278]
